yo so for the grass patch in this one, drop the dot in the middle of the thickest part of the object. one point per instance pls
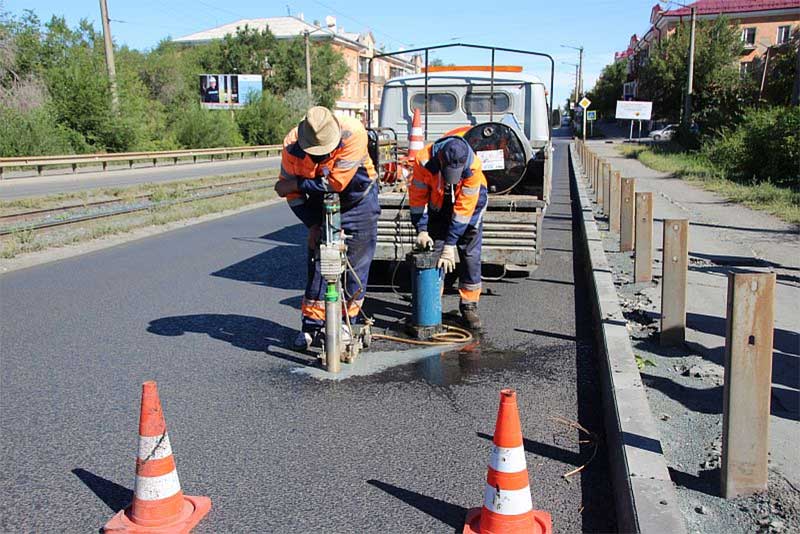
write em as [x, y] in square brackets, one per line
[783, 202]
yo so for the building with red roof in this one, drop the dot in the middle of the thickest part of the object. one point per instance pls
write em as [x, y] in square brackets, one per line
[763, 23]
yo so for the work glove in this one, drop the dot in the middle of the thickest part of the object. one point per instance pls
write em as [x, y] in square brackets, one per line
[447, 261]
[314, 233]
[285, 186]
[424, 241]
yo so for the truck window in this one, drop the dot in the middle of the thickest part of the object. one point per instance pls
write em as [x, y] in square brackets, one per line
[437, 102]
[475, 103]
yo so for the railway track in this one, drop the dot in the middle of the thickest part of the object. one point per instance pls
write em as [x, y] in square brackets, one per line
[42, 219]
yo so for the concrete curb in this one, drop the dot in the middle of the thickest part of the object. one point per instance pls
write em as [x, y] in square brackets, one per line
[644, 494]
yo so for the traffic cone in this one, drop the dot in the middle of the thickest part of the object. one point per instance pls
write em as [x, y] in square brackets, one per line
[416, 141]
[159, 505]
[507, 506]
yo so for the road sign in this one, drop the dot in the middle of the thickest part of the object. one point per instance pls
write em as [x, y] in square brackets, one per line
[585, 102]
[634, 110]
[591, 115]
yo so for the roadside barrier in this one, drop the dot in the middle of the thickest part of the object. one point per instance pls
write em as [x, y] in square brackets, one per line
[507, 505]
[159, 505]
[416, 139]
[749, 324]
[74, 160]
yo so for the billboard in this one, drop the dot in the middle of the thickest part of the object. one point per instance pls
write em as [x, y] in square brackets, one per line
[224, 91]
[635, 110]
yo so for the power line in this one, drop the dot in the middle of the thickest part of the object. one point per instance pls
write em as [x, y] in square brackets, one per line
[360, 23]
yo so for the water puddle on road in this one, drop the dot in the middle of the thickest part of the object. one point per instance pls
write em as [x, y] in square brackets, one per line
[440, 367]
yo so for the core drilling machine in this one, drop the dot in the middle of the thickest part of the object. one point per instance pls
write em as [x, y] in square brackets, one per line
[333, 264]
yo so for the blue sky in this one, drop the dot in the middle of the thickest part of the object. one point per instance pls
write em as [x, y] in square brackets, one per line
[601, 26]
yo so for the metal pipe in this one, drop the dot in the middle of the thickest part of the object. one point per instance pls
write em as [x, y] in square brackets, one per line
[333, 328]
[426, 97]
[369, 93]
[491, 92]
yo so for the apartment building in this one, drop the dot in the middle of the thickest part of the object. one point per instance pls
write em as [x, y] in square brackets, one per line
[763, 24]
[356, 48]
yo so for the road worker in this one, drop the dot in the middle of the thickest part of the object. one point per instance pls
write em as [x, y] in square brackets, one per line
[448, 195]
[329, 154]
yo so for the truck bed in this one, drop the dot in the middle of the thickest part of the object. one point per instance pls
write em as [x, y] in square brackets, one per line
[511, 230]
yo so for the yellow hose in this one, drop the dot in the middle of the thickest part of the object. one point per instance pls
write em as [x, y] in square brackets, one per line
[453, 336]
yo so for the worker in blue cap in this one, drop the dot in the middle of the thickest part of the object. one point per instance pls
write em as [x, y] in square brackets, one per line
[448, 195]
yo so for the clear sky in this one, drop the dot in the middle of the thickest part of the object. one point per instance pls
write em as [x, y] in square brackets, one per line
[601, 26]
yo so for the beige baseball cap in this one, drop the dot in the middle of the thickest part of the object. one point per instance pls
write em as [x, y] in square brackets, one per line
[319, 132]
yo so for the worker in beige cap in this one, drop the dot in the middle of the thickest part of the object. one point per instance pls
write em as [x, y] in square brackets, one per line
[325, 154]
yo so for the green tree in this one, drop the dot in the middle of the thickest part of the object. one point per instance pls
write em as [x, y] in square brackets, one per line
[608, 88]
[266, 119]
[328, 70]
[717, 84]
[781, 66]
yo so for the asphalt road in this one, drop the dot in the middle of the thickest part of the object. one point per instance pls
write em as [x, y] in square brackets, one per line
[206, 311]
[56, 182]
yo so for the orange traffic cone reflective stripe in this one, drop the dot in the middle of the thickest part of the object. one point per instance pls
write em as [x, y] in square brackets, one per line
[507, 505]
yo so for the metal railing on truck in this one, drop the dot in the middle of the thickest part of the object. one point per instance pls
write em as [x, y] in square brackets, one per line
[40, 162]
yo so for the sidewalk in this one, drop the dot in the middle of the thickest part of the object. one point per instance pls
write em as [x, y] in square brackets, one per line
[685, 385]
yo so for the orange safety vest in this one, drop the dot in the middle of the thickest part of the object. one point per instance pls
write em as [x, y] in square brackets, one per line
[348, 170]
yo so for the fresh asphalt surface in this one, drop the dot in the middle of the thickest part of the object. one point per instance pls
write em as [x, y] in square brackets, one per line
[56, 182]
[207, 311]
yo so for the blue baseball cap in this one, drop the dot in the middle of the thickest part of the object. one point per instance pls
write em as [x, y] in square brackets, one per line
[453, 157]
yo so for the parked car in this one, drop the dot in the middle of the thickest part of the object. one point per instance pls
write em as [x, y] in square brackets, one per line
[665, 133]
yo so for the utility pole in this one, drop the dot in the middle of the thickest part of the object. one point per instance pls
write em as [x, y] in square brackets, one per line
[577, 82]
[796, 91]
[580, 70]
[308, 64]
[687, 104]
[109, 48]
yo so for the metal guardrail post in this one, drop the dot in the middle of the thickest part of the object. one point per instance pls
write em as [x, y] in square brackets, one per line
[748, 382]
[614, 205]
[607, 189]
[643, 245]
[675, 262]
[627, 214]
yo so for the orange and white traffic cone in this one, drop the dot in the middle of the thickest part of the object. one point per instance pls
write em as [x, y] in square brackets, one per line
[159, 505]
[416, 141]
[507, 505]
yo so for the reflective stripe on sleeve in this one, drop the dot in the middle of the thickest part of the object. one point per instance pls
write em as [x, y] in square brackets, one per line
[419, 184]
[463, 219]
[154, 447]
[349, 163]
[417, 210]
[505, 459]
[470, 191]
[294, 202]
[508, 502]
[157, 488]
[287, 174]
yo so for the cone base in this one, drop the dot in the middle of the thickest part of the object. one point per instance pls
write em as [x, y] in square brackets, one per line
[194, 509]
[543, 523]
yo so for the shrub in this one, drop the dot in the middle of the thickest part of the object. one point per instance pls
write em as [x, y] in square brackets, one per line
[266, 119]
[765, 146]
[196, 127]
[36, 133]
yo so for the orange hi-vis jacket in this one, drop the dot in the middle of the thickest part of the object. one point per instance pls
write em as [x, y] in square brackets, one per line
[428, 190]
[347, 171]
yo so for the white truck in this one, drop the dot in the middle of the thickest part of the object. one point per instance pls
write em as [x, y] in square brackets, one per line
[505, 116]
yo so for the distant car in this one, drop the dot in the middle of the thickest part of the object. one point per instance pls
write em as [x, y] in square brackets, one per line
[664, 133]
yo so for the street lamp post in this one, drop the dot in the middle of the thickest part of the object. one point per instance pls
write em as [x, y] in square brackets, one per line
[577, 67]
[687, 101]
[580, 66]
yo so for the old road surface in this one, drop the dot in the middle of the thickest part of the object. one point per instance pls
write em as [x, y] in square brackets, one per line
[207, 311]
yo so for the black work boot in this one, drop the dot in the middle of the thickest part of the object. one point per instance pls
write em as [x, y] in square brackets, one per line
[469, 311]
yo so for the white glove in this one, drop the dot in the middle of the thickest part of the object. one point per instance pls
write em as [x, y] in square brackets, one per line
[447, 260]
[424, 241]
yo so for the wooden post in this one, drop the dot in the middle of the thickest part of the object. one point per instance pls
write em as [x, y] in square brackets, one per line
[675, 262]
[748, 379]
[627, 215]
[614, 193]
[600, 183]
[607, 188]
[643, 251]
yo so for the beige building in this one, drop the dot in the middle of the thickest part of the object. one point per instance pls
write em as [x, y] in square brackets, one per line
[763, 24]
[356, 48]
